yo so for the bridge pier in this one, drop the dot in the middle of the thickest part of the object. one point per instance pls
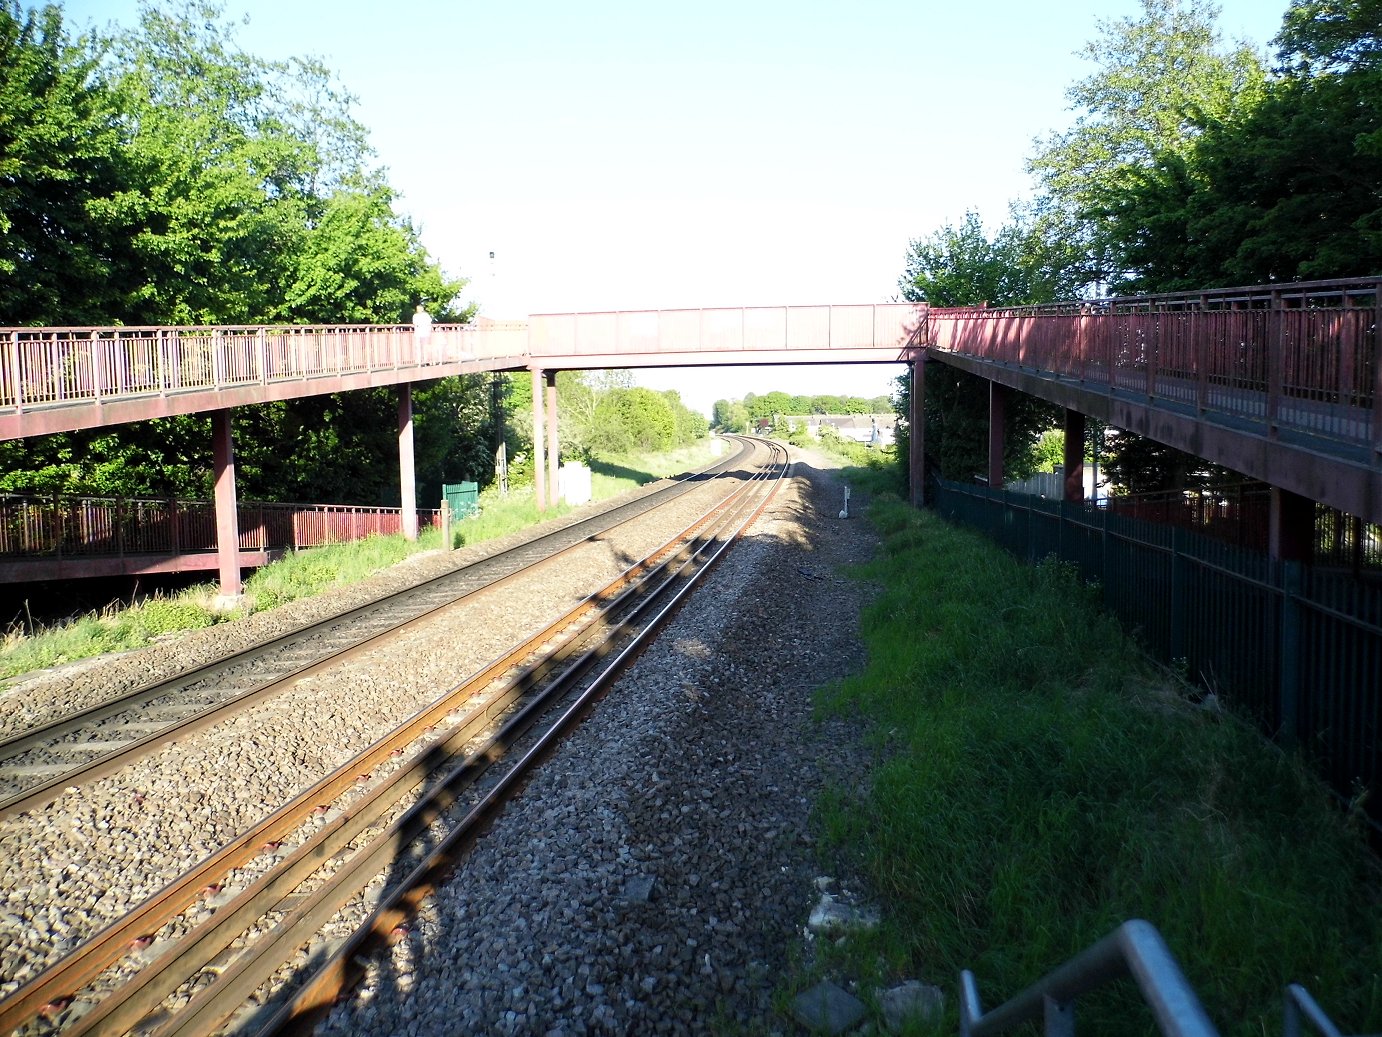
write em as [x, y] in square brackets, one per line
[407, 474]
[553, 453]
[539, 449]
[998, 432]
[916, 431]
[227, 513]
[1074, 455]
[1291, 526]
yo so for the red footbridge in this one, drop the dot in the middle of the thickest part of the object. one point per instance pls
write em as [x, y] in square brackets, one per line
[1279, 382]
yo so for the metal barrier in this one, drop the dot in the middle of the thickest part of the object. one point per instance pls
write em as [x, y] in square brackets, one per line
[1300, 357]
[93, 527]
[1302, 1008]
[1134, 949]
[1296, 647]
[55, 366]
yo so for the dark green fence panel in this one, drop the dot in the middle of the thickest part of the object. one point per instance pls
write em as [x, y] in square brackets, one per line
[1298, 649]
[463, 498]
[1340, 720]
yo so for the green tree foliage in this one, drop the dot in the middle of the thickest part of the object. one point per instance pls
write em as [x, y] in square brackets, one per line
[360, 263]
[167, 177]
[1287, 189]
[1158, 79]
[775, 404]
[59, 159]
[634, 419]
[963, 266]
[730, 415]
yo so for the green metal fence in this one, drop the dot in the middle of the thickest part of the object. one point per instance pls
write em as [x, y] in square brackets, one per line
[1298, 648]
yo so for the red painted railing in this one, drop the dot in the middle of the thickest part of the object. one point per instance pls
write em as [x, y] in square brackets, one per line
[728, 330]
[93, 527]
[45, 366]
[1300, 357]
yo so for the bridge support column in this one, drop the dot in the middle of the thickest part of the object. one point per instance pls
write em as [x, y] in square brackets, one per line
[998, 431]
[1291, 528]
[916, 432]
[1074, 455]
[407, 475]
[227, 515]
[539, 461]
[553, 453]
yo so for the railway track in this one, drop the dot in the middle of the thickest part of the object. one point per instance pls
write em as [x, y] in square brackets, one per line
[36, 765]
[405, 807]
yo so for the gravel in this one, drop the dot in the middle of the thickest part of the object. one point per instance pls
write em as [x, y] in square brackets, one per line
[658, 873]
[651, 879]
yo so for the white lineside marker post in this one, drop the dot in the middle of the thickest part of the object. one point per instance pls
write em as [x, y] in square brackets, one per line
[844, 512]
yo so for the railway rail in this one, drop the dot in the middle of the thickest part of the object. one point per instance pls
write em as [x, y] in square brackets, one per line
[404, 807]
[38, 763]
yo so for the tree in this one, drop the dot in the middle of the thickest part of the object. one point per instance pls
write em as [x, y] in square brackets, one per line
[731, 416]
[59, 157]
[1159, 79]
[634, 419]
[1285, 188]
[962, 266]
[359, 262]
[1323, 37]
[166, 176]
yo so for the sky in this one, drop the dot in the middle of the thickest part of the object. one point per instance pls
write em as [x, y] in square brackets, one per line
[629, 155]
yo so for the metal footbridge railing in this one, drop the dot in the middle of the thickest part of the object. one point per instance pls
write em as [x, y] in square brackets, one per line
[1135, 949]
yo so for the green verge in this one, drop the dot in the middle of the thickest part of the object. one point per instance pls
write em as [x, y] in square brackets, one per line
[1035, 782]
[305, 573]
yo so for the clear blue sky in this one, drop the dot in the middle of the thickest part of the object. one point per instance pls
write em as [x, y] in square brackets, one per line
[622, 155]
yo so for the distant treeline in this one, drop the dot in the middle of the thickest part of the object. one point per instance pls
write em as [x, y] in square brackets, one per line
[739, 415]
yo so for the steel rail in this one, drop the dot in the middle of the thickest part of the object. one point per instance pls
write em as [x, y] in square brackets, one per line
[57, 983]
[343, 965]
[213, 1006]
[102, 710]
[43, 792]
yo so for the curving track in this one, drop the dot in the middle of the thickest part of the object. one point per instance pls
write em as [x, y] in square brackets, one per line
[386, 806]
[37, 764]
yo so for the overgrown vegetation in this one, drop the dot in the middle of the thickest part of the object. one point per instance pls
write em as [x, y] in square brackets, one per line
[1036, 782]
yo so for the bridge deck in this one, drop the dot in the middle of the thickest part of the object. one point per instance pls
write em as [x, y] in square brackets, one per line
[1280, 382]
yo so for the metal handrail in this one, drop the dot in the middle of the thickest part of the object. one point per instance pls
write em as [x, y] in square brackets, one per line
[1302, 1008]
[1134, 949]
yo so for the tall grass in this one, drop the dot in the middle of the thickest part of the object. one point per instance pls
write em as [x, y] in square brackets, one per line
[1037, 782]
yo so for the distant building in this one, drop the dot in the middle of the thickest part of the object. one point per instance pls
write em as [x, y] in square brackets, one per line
[869, 429]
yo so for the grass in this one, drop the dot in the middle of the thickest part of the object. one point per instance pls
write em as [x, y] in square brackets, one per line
[1036, 782]
[305, 573]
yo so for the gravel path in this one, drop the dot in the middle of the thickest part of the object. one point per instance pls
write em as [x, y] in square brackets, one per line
[697, 772]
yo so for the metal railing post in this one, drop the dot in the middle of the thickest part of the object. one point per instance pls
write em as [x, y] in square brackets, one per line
[1289, 660]
[1377, 374]
[1179, 595]
[1135, 949]
[1275, 363]
[16, 373]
